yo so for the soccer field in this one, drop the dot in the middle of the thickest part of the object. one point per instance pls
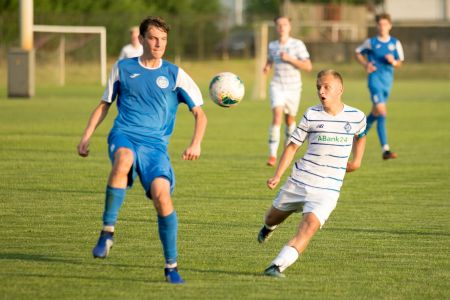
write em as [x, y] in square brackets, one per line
[389, 237]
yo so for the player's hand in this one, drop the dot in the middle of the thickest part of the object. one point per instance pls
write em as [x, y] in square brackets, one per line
[352, 166]
[191, 153]
[390, 58]
[83, 148]
[272, 182]
[370, 67]
[285, 57]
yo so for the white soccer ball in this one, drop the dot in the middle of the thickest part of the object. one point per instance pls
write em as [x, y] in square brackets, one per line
[226, 89]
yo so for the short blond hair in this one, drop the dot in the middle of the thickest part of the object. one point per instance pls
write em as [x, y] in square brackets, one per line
[331, 72]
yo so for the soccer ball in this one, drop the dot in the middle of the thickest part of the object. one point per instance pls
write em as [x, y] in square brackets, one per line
[226, 89]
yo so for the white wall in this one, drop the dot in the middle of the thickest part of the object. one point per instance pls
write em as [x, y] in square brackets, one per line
[418, 10]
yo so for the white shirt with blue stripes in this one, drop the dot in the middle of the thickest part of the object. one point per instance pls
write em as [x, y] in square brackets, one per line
[330, 140]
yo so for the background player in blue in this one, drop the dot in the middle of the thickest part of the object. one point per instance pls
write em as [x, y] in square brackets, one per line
[380, 55]
[148, 90]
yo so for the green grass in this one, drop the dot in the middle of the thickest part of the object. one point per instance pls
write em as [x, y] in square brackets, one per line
[389, 237]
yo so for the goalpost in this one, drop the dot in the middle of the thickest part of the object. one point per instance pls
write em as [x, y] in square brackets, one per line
[77, 30]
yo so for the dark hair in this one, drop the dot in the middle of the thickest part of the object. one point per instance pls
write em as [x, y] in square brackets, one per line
[153, 22]
[281, 17]
[382, 16]
[331, 72]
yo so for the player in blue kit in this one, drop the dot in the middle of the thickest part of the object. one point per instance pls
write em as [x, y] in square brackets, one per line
[148, 90]
[380, 55]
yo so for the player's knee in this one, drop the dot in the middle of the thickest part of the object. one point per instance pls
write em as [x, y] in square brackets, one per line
[123, 160]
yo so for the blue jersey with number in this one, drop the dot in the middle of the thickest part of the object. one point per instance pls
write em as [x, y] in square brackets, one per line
[148, 98]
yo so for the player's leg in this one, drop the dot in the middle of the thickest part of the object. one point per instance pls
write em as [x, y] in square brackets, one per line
[157, 178]
[381, 110]
[167, 227]
[290, 127]
[290, 252]
[290, 110]
[277, 102]
[274, 134]
[273, 218]
[123, 159]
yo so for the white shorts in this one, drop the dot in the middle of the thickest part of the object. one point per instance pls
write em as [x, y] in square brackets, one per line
[288, 99]
[300, 198]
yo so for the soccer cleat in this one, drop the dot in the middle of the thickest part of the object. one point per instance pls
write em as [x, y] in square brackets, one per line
[264, 234]
[389, 155]
[272, 161]
[172, 276]
[104, 244]
[274, 271]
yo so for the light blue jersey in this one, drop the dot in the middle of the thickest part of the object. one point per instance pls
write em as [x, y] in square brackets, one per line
[148, 98]
[380, 81]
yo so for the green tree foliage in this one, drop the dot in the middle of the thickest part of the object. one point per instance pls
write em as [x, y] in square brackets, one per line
[194, 22]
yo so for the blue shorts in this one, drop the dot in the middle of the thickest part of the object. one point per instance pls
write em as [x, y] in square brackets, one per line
[379, 87]
[150, 161]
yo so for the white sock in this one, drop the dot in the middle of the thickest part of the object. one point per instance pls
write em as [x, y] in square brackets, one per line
[386, 148]
[174, 265]
[274, 139]
[288, 131]
[270, 227]
[108, 228]
[287, 256]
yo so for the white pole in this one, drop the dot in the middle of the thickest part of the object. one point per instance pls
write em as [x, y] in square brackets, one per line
[103, 56]
[26, 24]
[62, 60]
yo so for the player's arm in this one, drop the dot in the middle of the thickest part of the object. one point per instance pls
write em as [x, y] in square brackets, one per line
[359, 144]
[96, 118]
[267, 66]
[368, 66]
[285, 161]
[302, 64]
[193, 151]
[396, 63]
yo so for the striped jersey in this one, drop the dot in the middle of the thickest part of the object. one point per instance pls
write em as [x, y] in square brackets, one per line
[148, 99]
[330, 140]
[285, 74]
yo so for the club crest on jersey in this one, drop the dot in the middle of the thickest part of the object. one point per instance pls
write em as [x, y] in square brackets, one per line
[391, 47]
[162, 82]
[348, 127]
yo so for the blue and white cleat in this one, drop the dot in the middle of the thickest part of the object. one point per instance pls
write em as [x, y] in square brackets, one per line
[274, 271]
[172, 276]
[104, 244]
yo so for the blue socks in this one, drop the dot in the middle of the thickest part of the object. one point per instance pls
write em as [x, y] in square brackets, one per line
[168, 228]
[113, 202]
[370, 119]
[381, 129]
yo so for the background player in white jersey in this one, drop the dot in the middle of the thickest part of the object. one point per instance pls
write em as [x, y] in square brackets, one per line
[288, 56]
[148, 91]
[380, 55]
[333, 130]
[134, 48]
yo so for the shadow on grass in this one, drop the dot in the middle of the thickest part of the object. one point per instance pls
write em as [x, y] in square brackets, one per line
[393, 231]
[102, 262]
